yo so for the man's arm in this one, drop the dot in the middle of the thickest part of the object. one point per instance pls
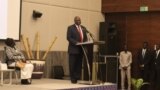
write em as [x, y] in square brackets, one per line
[130, 59]
[121, 60]
[70, 36]
[11, 55]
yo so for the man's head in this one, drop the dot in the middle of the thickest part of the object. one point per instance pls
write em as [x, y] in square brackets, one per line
[145, 45]
[77, 20]
[10, 42]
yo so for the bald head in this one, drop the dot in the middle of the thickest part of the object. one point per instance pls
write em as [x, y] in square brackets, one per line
[77, 20]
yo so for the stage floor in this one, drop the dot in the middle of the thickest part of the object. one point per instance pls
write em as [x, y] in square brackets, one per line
[55, 84]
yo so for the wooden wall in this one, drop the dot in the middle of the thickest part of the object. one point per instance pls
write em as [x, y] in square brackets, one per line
[129, 5]
[134, 27]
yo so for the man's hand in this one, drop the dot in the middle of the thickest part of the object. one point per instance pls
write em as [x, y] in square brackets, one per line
[24, 61]
[28, 61]
[142, 65]
[124, 68]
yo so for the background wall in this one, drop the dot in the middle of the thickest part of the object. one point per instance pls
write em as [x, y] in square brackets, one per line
[57, 16]
[134, 26]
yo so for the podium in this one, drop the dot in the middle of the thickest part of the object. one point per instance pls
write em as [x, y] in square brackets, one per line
[87, 48]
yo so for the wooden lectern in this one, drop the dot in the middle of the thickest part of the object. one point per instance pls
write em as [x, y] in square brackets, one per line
[88, 53]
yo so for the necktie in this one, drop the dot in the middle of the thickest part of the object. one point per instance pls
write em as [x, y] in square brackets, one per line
[80, 34]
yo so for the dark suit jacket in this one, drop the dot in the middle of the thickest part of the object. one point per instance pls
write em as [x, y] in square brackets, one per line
[146, 60]
[73, 37]
[156, 60]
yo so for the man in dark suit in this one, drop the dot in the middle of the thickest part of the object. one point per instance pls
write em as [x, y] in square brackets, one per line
[144, 58]
[155, 78]
[76, 33]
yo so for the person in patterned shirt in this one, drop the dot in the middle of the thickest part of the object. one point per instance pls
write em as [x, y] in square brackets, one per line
[13, 55]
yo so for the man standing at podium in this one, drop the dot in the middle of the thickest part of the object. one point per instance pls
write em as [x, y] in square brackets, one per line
[76, 33]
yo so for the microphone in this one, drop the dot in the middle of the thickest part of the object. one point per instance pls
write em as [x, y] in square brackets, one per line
[91, 35]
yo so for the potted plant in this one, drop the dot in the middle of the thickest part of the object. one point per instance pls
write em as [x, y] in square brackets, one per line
[138, 83]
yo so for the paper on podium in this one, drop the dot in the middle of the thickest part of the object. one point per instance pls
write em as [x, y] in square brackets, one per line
[99, 42]
[91, 42]
[84, 43]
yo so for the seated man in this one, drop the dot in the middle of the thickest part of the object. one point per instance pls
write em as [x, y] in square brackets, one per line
[15, 55]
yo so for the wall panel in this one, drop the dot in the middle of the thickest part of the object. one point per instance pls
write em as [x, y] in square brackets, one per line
[134, 29]
[109, 6]
[57, 16]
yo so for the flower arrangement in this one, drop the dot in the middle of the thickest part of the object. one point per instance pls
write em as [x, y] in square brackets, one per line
[138, 83]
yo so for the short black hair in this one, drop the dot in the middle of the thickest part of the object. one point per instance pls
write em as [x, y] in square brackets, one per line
[9, 41]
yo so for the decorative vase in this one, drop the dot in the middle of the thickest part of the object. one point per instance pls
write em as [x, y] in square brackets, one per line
[38, 68]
